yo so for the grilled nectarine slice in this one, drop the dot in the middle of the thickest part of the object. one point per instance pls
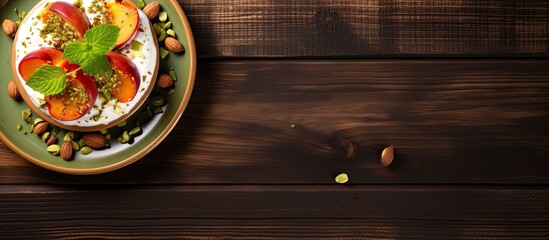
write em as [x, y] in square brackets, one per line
[124, 15]
[34, 60]
[71, 14]
[77, 100]
[127, 74]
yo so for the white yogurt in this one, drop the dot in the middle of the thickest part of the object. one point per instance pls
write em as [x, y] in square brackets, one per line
[29, 40]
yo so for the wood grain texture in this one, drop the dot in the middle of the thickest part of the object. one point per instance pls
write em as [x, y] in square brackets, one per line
[451, 121]
[369, 28]
[274, 212]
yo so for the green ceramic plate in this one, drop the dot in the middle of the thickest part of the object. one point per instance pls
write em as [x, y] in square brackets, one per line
[33, 149]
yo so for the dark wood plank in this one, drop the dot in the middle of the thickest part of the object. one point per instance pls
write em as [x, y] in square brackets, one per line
[369, 28]
[275, 212]
[451, 121]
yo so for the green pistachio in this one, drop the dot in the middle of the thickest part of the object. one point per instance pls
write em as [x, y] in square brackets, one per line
[171, 32]
[124, 138]
[38, 120]
[134, 131]
[141, 4]
[158, 110]
[81, 143]
[75, 146]
[157, 28]
[122, 124]
[54, 149]
[163, 16]
[173, 75]
[342, 178]
[68, 137]
[46, 136]
[158, 101]
[19, 126]
[26, 115]
[85, 150]
[163, 52]
[163, 35]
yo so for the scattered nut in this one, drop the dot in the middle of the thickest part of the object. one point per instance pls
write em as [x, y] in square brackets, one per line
[164, 81]
[12, 91]
[9, 27]
[52, 140]
[173, 45]
[152, 10]
[342, 178]
[66, 151]
[96, 141]
[387, 156]
[54, 149]
[41, 128]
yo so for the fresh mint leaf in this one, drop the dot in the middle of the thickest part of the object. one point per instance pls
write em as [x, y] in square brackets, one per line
[102, 38]
[96, 65]
[77, 52]
[48, 80]
[90, 53]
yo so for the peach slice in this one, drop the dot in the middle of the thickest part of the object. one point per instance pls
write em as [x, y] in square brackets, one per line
[128, 76]
[124, 15]
[78, 98]
[34, 60]
[71, 14]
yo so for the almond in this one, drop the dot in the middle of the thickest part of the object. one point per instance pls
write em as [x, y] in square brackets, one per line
[52, 140]
[12, 91]
[173, 45]
[152, 10]
[9, 27]
[96, 141]
[66, 151]
[164, 81]
[387, 156]
[41, 128]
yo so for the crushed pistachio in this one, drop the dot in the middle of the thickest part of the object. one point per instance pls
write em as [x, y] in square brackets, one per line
[60, 31]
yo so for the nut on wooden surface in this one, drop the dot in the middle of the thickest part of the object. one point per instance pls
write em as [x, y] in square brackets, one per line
[387, 156]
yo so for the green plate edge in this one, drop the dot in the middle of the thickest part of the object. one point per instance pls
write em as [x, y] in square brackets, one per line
[33, 149]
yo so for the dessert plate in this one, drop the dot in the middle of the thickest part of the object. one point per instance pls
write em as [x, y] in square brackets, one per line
[32, 148]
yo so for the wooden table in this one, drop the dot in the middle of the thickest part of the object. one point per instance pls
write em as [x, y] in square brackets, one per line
[460, 88]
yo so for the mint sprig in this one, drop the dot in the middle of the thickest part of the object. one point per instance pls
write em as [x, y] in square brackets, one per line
[48, 80]
[88, 53]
